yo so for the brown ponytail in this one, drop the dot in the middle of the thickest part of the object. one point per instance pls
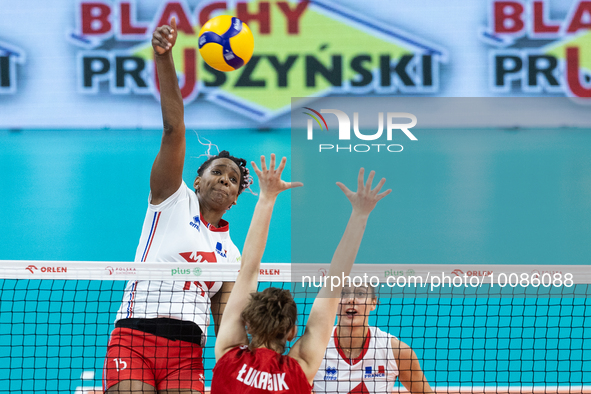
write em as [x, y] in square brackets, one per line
[269, 316]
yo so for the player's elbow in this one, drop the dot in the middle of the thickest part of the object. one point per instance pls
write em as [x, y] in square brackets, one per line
[169, 128]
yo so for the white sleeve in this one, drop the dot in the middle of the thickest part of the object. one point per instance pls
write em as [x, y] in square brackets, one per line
[235, 256]
[180, 194]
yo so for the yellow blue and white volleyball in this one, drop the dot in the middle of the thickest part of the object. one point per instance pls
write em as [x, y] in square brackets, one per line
[226, 43]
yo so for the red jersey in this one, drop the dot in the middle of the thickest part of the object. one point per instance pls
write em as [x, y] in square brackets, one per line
[258, 372]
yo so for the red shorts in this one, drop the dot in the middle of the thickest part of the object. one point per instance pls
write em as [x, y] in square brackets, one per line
[159, 362]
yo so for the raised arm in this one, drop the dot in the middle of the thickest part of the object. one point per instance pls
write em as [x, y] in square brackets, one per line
[167, 171]
[218, 304]
[309, 349]
[232, 332]
[410, 373]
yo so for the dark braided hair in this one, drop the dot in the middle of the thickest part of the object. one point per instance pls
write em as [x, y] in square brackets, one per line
[245, 178]
[270, 315]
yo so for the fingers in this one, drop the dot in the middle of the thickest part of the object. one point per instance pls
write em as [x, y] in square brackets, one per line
[382, 195]
[159, 43]
[282, 165]
[344, 188]
[379, 186]
[360, 178]
[166, 32]
[169, 37]
[272, 164]
[263, 163]
[255, 168]
[270, 177]
[164, 37]
[158, 47]
[364, 191]
[369, 180]
[161, 39]
[291, 185]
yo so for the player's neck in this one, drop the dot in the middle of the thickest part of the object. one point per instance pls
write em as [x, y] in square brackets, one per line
[212, 218]
[210, 215]
[352, 339]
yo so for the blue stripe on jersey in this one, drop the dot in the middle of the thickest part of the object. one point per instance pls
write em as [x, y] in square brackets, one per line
[150, 236]
[130, 302]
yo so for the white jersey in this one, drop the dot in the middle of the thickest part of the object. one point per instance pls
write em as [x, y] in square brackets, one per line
[174, 231]
[374, 371]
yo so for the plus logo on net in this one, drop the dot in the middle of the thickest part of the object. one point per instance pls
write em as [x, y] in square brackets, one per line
[345, 131]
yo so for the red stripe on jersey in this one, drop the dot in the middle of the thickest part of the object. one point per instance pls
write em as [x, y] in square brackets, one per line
[342, 353]
[131, 299]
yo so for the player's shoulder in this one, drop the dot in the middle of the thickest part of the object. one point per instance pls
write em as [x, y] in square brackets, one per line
[274, 360]
[235, 251]
[376, 332]
[183, 193]
[234, 353]
[401, 350]
[293, 366]
[386, 341]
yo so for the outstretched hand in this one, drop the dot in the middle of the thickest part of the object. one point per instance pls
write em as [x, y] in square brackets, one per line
[270, 178]
[366, 198]
[164, 37]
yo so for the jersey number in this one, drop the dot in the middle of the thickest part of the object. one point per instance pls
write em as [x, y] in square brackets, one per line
[120, 364]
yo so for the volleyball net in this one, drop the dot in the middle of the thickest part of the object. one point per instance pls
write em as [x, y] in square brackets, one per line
[519, 329]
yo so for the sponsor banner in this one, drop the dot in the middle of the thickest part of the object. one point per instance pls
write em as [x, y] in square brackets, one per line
[47, 269]
[534, 51]
[94, 65]
[280, 272]
[350, 53]
[121, 270]
[302, 48]
[91, 270]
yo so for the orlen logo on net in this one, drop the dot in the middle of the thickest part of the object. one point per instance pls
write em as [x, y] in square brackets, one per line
[32, 269]
[459, 272]
[345, 131]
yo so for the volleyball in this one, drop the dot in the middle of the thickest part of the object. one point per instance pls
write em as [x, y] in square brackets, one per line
[226, 43]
